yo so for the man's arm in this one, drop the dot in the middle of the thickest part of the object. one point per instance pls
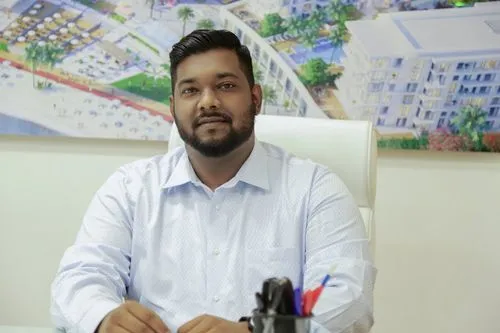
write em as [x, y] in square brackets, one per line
[94, 272]
[336, 236]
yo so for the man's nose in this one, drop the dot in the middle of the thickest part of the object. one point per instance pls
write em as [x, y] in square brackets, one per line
[209, 100]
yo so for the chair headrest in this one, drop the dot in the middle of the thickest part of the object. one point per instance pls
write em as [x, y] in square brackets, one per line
[347, 147]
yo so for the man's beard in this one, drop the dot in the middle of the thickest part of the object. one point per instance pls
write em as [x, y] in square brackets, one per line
[219, 147]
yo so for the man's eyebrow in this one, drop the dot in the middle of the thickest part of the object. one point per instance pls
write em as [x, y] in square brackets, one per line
[224, 75]
[186, 81]
[221, 75]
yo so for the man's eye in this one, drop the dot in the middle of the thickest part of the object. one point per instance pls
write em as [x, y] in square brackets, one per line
[227, 86]
[188, 90]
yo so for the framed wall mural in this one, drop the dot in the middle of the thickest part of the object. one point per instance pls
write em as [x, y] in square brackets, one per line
[425, 72]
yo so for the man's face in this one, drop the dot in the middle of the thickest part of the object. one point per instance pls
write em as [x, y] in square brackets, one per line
[213, 105]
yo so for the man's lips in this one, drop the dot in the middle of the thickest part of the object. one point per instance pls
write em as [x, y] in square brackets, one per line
[210, 120]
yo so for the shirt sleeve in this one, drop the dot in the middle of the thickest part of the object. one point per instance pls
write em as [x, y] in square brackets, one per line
[93, 275]
[336, 235]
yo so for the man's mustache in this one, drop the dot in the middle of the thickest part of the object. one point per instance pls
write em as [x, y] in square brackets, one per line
[210, 116]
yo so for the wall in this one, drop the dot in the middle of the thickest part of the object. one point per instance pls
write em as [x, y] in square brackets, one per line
[438, 225]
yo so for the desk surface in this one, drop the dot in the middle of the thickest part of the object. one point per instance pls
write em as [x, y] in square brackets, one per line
[23, 329]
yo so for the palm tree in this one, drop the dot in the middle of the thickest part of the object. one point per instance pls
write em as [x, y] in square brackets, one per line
[185, 14]
[337, 37]
[205, 24]
[33, 55]
[151, 4]
[337, 11]
[257, 73]
[316, 20]
[294, 26]
[269, 96]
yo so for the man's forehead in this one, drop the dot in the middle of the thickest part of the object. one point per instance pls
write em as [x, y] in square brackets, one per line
[210, 63]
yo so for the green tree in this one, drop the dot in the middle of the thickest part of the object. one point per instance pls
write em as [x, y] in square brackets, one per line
[205, 24]
[316, 72]
[470, 121]
[185, 14]
[269, 96]
[272, 24]
[4, 47]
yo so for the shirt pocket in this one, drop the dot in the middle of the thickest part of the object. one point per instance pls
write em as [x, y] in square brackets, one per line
[261, 264]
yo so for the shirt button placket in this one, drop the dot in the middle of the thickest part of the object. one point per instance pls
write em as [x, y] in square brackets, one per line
[215, 245]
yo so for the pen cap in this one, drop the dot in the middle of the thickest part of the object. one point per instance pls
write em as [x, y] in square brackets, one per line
[267, 323]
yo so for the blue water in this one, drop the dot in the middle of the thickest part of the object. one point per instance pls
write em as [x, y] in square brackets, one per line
[323, 49]
[16, 126]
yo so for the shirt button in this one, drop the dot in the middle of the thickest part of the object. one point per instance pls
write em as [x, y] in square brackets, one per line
[216, 299]
[217, 207]
[216, 252]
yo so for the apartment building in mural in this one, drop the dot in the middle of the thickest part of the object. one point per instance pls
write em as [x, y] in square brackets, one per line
[411, 71]
[277, 73]
[295, 7]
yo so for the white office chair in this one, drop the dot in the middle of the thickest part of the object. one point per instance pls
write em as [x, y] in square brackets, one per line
[348, 148]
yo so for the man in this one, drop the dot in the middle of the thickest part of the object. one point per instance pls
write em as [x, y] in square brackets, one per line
[182, 242]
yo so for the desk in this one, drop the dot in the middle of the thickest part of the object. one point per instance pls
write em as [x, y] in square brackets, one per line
[24, 329]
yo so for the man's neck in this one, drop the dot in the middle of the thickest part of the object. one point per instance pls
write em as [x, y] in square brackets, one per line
[215, 171]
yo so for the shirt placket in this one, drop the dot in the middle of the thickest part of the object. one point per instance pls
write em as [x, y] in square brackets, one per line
[217, 250]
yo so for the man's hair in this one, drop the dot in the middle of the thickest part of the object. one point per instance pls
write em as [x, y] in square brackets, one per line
[203, 40]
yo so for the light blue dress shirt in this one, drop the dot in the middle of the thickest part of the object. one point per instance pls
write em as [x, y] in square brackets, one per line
[156, 234]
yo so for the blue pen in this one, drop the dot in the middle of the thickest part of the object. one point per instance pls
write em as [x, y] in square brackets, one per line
[298, 301]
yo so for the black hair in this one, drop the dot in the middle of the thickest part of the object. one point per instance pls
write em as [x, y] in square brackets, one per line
[203, 40]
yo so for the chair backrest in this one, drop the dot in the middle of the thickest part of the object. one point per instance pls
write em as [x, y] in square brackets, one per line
[347, 147]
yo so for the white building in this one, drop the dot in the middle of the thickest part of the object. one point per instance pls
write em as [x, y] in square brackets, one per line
[277, 74]
[294, 7]
[414, 70]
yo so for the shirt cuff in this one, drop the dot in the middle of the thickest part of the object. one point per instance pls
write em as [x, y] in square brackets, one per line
[92, 319]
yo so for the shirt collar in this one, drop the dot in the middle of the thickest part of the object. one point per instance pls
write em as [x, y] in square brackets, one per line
[253, 172]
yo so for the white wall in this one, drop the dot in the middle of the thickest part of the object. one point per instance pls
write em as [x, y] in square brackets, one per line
[438, 230]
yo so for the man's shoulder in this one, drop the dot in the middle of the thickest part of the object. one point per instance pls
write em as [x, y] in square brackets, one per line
[157, 166]
[291, 161]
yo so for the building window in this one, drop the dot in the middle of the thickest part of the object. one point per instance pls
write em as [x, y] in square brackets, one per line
[484, 90]
[303, 108]
[428, 115]
[411, 87]
[373, 99]
[408, 99]
[398, 62]
[384, 110]
[288, 86]
[387, 99]
[405, 110]
[379, 63]
[401, 122]
[378, 76]
[495, 100]
[380, 121]
[456, 78]
[444, 67]
[375, 87]
[488, 77]
[494, 112]
[392, 86]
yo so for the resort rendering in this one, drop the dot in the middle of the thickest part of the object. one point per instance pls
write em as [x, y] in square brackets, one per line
[99, 68]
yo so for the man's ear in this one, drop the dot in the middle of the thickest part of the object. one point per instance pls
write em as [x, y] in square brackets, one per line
[257, 97]
[172, 108]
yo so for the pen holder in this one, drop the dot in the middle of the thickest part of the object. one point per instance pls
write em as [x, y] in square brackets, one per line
[264, 323]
